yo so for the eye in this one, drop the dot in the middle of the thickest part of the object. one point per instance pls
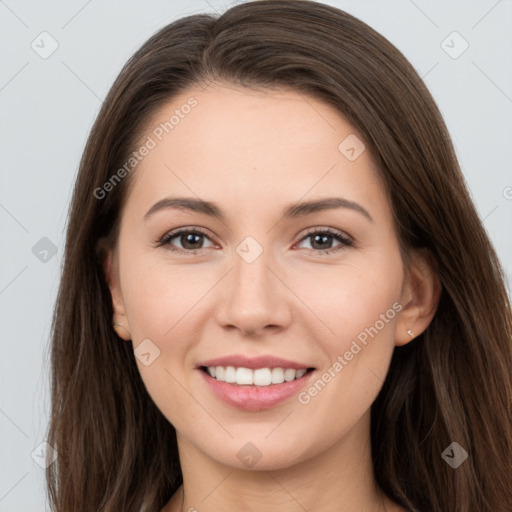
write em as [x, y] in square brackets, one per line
[190, 240]
[322, 239]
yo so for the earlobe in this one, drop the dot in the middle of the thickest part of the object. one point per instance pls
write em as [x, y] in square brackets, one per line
[120, 320]
[420, 297]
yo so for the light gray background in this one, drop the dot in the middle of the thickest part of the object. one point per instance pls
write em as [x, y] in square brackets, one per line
[48, 106]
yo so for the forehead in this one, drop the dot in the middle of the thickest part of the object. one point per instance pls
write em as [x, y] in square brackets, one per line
[228, 143]
[228, 116]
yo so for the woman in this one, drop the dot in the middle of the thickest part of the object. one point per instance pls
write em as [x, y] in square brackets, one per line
[277, 291]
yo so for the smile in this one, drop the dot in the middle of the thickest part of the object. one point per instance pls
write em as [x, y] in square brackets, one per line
[244, 395]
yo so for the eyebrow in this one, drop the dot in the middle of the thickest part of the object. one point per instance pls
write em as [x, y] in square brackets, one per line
[292, 211]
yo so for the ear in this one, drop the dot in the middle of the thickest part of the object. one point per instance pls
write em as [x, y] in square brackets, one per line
[420, 297]
[111, 270]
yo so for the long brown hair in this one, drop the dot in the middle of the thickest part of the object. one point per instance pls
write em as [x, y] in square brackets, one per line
[116, 451]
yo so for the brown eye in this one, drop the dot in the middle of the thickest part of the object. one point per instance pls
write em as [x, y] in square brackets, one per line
[189, 240]
[322, 240]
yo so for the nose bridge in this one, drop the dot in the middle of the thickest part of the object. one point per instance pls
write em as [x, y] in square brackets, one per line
[250, 272]
[254, 297]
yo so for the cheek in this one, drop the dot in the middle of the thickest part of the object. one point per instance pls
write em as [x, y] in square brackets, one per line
[362, 308]
[356, 301]
[366, 310]
[162, 301]
[358, 306]
[158, 294]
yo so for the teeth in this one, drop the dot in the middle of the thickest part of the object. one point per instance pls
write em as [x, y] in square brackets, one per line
[259, 377]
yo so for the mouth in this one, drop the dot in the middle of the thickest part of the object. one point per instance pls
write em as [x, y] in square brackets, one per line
[257, 388]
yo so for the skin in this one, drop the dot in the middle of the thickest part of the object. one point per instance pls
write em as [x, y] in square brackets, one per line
[253, 153]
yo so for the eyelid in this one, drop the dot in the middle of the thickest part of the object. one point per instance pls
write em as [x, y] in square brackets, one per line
[328, 230]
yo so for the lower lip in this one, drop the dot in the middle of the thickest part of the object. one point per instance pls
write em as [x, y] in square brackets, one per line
[255, 398]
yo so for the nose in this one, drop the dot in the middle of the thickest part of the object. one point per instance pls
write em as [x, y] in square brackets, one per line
[254, 297]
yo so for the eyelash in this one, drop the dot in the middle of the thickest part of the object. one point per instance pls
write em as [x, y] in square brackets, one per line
[345, 241]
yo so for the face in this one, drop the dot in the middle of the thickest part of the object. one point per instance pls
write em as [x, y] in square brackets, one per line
[321, 288]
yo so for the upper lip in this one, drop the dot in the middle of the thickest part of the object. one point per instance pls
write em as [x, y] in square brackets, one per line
[243, 361]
